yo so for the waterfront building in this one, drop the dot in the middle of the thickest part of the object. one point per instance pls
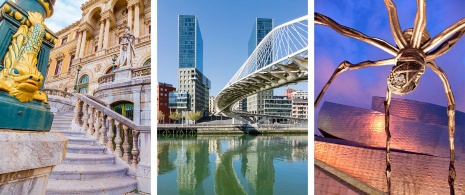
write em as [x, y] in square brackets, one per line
[190, 73]
[262, 26]
[299, 108]
[87, 54]
[299, 94]
[211, 105]
[179, 101]
[163, 90]
[288, 92]
[355, 135]
[278, 106]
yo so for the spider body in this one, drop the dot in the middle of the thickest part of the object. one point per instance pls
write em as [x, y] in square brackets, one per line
[405, 75]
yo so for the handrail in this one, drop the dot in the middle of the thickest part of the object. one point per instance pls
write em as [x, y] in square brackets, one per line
[98, 121]
[111, 113]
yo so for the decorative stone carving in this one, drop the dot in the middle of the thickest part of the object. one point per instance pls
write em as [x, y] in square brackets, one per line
[127, 50]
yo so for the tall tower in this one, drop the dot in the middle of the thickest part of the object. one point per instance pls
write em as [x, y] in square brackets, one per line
[262, 26]
[190, 72]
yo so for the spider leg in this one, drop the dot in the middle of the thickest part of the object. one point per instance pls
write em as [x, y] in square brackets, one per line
[451, 115]
[387, 104]
[346, 31]
[347, 65]
[395, 25]
[445, 46]
[449, 31]
[420, 24]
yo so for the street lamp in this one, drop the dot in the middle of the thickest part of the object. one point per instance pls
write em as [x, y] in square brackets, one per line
[77, 75]
[113, 58]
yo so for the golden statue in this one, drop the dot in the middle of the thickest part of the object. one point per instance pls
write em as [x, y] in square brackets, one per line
[20, 77]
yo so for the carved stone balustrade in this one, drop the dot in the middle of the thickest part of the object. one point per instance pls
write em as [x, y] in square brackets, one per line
[108, 78]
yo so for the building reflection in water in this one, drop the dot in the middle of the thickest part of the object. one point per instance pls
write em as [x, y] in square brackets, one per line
[239, 164]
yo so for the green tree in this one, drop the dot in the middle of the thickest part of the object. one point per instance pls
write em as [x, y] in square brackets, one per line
[195, 116]
[176, 115]
[160, 116]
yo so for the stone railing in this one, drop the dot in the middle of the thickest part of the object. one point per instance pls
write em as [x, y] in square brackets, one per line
[99, 121]
[119, 134]
[141, 71]
[108, 78]
[57, 92]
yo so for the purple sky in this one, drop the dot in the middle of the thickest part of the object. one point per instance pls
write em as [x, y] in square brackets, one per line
[357, 87]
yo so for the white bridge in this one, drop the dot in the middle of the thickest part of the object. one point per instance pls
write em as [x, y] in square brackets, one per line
[280, 59]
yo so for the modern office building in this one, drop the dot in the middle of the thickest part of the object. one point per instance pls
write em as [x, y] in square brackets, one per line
[300, 108]
[262, 26]
[178, 101]
[163, 90]
[190, 73]
[278, 106]
[356, 138]
[299, 94]
[211, 105]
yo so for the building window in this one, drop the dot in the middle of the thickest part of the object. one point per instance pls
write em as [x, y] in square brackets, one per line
[58, 67]
[95, 49]
[76, 35]
[83, 84]
[147, 62]
[71, 60]
[64, 40]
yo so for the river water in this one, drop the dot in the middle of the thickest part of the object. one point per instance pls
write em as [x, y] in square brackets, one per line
[233, 164]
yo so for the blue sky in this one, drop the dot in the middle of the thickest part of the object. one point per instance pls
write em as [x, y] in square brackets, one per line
[65, 13]
[226, 28]
[370, 17]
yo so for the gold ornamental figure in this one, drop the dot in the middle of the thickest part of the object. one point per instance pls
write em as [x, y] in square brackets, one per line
[21, 77]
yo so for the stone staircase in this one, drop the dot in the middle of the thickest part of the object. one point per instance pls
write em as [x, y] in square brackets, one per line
[88, 168]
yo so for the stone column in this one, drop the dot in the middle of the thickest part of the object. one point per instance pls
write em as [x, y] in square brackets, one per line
[78, 48]
[100, 36]
[136, 99]
[136, 20]
[106, 35]
[83, 43]
[130, 17]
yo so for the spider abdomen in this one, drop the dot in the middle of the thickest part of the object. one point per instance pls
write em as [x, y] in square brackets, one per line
[405, 75]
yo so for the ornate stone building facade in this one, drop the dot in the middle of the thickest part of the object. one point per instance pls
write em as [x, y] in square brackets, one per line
[85, 58]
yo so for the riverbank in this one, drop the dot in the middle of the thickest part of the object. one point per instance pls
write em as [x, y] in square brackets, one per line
[233, 129]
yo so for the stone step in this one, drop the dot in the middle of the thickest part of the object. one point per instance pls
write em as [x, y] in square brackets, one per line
[113, 185]
[69, 133]
[85, 149]
[81, 141]
[80, 172]
[54, 125]
[73, 158]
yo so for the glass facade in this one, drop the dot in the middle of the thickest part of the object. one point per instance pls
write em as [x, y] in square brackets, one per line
[261, 28]
[178, 101]
[190, 43]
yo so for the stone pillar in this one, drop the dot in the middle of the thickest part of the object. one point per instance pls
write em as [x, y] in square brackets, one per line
[83, 43]
[136, 20]
[107, 33]
[136, 100]
[27, 158]
[100, 36]
[78, 48]
[130, 17]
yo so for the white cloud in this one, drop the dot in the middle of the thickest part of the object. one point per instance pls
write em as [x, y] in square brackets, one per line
[65, 13]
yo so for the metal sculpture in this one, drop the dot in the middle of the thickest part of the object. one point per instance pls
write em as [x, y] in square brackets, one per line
[414, 51]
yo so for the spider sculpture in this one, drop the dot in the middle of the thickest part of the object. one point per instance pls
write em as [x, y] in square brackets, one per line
[414, 52]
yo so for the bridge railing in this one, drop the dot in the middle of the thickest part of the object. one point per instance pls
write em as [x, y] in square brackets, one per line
[288, 39]
[119, 134]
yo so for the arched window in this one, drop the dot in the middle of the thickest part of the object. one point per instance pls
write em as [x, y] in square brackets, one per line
[58, 67]
[84, 84]
[147, 63]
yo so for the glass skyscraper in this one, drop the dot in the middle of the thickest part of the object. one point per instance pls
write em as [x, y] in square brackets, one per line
[190, 43]
[190, 72]
[255, 103]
